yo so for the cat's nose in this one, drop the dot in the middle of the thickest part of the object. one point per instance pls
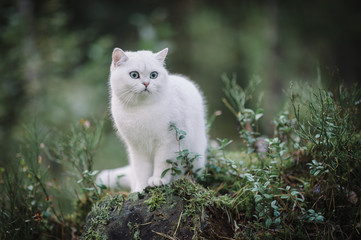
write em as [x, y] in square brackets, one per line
[146, 84]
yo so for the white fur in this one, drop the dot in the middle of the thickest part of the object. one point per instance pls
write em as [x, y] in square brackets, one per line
[142, 118]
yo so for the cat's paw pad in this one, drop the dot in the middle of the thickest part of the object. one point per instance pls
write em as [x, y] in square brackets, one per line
[155, 181]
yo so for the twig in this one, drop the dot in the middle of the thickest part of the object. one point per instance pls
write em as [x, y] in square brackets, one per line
[165, 235]
[180, 217]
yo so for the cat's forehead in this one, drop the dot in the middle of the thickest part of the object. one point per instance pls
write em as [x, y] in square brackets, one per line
[141, 56]
[142, 60]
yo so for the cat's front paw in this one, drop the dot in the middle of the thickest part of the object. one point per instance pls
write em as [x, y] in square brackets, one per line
[156, 181]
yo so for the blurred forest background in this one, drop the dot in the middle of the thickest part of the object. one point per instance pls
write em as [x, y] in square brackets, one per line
[55, 56]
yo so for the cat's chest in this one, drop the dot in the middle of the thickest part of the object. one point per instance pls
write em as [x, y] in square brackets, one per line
[149, 122]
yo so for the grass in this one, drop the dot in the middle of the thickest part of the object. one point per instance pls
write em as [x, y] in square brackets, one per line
[301, 183]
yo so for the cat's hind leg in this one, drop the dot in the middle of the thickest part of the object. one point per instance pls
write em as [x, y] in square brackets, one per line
[115, 178]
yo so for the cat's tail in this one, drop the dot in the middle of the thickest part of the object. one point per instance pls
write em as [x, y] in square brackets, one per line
[115, 178]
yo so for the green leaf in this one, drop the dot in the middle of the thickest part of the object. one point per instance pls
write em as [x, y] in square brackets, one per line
[273, 204]
[277, 213]
[268, 196]
[257, 198]
[294, 193]
[268, 222]
[319, 219]
[164, 173]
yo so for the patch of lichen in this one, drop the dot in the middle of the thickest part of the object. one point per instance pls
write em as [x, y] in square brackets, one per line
[100, 215]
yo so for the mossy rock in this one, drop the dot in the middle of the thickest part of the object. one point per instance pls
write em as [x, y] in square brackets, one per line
[182, 210]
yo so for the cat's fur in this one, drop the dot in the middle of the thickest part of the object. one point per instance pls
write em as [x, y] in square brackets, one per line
[142, 109]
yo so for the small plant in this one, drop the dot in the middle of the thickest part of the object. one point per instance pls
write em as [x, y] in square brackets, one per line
[236, 99]
[185, 158]
[312, 216]
[317, 168]
[77, 154]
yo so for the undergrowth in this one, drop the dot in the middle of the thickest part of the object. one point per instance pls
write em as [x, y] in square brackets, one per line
[306, 178]
[301, 183]
[32, 197]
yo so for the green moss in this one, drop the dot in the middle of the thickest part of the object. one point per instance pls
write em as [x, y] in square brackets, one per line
[134, 196]
[134, 230]
[100, 215]
[156, 199]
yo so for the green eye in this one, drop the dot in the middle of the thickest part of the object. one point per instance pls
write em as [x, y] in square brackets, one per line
[134, 74]
[153, 75]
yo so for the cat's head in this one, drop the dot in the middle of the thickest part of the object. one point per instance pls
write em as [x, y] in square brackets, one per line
[136, 77]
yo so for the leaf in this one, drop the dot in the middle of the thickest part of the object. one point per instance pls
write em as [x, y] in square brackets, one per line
[258, 116]
[94, 173]
[181, 132]
[273, 204]
[257, 198]
[319, 219]
[101, 186]
[277, 213]
[315, 162]
[294, 193]
[268, 196]
[282, 152]
[164, 173]
[268, 222]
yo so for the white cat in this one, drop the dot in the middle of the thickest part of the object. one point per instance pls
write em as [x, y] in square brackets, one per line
[144, 100]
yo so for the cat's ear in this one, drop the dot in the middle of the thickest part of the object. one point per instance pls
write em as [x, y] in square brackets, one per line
[118, 56]
[161, 55]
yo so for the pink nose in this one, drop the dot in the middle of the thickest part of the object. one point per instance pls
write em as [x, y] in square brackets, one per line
[146, 84]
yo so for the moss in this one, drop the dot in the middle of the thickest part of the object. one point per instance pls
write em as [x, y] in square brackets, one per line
[134, 196]
[134, 230]
[100, 215]
[156, 199]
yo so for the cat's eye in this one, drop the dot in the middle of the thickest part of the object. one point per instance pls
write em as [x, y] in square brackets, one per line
[134, 74]
[153, 75]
